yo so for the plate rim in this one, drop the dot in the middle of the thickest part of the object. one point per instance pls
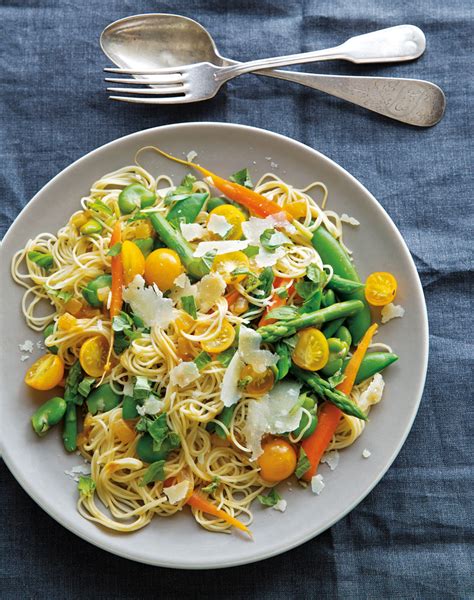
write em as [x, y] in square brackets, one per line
[283, 546]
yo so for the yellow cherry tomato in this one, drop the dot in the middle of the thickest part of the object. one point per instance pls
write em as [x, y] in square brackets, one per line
[278, 460]
[311, 351]
[184, 322]
[93, 355]
[46, 373]
[162, 267]
[296, 209]
[233, 216]
[380, 288]
[240, 306]
[220, 341]
[226, 264]
[258, 383]
[133, 261]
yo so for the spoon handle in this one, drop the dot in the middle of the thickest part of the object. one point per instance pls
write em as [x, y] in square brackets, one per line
[411, 101]
[400, 43]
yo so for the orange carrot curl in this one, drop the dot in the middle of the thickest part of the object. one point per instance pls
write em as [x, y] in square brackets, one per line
[199, 502]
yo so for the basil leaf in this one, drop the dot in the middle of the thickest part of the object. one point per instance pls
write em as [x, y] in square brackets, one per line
[303, 464]
[266, 278]
[121, 322]
[155, 472]
[142, 424]
[115, 250]
[265, 240]
[314, 273]
[211, 487]
[202, 359]
[186, 185]
[272, 498]
[251, 251]
[42, 259]
[85, 386]
[189, 305]
[158, 429]
[71, 393]
[86, 486]
[242, 177]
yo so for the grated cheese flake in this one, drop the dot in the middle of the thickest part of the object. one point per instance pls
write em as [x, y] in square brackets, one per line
[209, 290]
[184, 374]
[26, 346]
[250, 352]
[366, 453]
[349, 220]
[331, 458]
[280, 505]
[373, 393]
[317, 484]
[176, 493]
[24, 357]
[392, 311]
[151, 406]
[192, 231]
[219, 247]
[148, 303]
[230, 392]
[219, 225]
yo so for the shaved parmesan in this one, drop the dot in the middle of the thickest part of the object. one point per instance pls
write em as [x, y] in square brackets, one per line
[280, 505]
[209, 290]
[192, 231]
[26, 346]
[317, 484]
[265, 258]
[151, 406]
[184, 374]
[272, 414]
[349, 220]
[219, 225]
[128, 388]
[176, 493]
[24, 357]
[366, 453]
[331, 458]
[373, 394]
[254, 227]
[219, 247]
[230, 392]
[191, 155]
[250, 352]
[392, 311]
[182, 286]
[148, 303]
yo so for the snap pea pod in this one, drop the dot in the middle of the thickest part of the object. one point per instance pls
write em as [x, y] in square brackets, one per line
[332, 253]
[373, 363]
[145, 245]
[342, 285]
[91, 289]
[322, 388]
[196, 267]
[102, 399]
[90, 227]
[48, 414]
[70, 427]
[135, 196]
[187, 209]
[330, 329]
[281, 329]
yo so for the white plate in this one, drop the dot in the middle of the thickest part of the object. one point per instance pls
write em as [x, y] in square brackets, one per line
[39, 464]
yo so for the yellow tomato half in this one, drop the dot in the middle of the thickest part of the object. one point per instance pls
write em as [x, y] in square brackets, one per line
[311, 351]
[162, 267]
[219, 342]
[233, 216]
[278, 460]
[227, 264]
[258, 383]
[133, 261]
[46, 373]
[296, 209]
[93, 355]
[380, 288]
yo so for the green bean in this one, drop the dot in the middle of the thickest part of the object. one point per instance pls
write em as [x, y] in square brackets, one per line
[70, 427]
[330, 329]
[332, 253]
[129, 408]
[337, 352]
[344, 286]
[102, 399]
[213, 203]
[344, 335]
[187, 209]
[145, 245]
[373, 363]
[91, 226]
[135, 196]
[91, 289]
[328, 299]
[145, 450]
[48, 414]
[49, 330]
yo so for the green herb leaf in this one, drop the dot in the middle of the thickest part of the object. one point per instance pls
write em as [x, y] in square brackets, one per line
[314, 273]
[62, 295]
[85, 386]
[303, 464]
[71, 393]
[189, 305]
[86, 486]
[272, 498]
[291, 342]
[142, 424]
[100, 207]
[202, 359]
[155, 472]
[225, 357]
[139, 216]
[122, 322]
[186, 185]
[265, 279]
[244, 382]
[212, 487]
[42, 259]
[251, 251]
[283, 313]
[115, 250]
[242, 177]
[158, 429]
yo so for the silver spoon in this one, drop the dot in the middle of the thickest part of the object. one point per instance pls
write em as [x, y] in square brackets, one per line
[150, 41]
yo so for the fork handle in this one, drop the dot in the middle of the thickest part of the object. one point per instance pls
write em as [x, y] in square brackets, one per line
[411, 101]
[403, 42]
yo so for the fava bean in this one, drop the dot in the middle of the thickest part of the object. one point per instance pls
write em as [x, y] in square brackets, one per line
[135, 196]
[102, 399]
[328, 299]
[91, 289]
[90, 227]
[337, 352]
[48, 414]
[344, 335]
[145, 449]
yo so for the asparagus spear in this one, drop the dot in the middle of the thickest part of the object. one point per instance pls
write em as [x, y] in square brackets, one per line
[281, 329]
[323, 389]
[196, 267]
[70, 427]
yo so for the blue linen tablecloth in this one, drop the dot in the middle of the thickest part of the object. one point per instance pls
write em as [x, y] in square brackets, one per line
[412, 536]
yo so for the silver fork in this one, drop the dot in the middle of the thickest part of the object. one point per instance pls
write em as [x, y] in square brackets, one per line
[201, 81]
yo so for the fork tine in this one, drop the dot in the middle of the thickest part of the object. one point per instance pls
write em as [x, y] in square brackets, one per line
[155, 81]
[160, 71]
[175, 100]
[173, 89]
